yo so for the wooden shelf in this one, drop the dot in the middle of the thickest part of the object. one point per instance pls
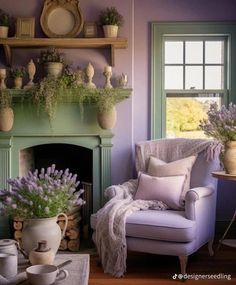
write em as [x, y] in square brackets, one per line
[105, 43]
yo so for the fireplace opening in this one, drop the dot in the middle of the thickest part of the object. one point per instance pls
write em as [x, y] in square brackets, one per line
[79, 160]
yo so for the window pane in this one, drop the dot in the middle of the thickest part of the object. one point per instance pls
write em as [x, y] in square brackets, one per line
[214, 77]
[174, 52]
[173, 77]
[214, 52]
[194, 52]
[183, 116]
[193, 77]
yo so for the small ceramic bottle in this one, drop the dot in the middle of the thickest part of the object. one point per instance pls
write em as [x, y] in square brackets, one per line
[42, 254]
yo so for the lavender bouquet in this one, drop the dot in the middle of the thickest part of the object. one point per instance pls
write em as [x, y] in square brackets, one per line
[41, 194]
[221, 124]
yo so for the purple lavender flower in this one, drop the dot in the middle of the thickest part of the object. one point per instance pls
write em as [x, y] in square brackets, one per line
[41, 194]
[221, 124]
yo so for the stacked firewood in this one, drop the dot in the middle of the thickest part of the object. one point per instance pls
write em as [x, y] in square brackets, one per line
[71, 240]
[18, 226]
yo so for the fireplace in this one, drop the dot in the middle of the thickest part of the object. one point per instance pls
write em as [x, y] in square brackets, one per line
[71, 141]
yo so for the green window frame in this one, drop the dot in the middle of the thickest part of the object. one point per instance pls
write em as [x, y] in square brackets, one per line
[188, 31]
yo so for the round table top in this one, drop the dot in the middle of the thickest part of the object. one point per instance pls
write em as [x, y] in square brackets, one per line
[223, 175]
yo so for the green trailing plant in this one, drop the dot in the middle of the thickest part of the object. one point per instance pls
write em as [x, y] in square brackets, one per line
[110, 16]
[18, 72]
[45, 95]
[4, 19]
[50, 91]
[5, 99]
[105, 99]
[51, 55]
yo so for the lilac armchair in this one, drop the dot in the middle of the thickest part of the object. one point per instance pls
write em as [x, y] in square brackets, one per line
[174, 232]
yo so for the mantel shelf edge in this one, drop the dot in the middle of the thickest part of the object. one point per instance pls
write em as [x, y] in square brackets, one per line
[105, 43]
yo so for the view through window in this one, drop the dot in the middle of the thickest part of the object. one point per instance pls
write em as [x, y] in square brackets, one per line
[194, 76]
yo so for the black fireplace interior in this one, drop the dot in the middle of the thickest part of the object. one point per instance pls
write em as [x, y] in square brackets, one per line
[77, 159]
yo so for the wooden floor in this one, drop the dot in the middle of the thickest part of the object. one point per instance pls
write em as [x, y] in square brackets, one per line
[148, 269]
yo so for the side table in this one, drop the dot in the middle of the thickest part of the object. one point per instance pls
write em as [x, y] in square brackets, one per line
[231, 177]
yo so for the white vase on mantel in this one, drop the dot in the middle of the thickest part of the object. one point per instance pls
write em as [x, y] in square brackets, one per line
[107, 118]
[4, 32]
[18, 82]
[6, 119]
[53, 68]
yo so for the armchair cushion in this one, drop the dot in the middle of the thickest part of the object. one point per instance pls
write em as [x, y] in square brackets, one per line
[165, 225]
[165, 189]
[160, 168]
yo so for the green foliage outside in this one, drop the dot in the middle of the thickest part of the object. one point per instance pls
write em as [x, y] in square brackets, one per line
[183, 117]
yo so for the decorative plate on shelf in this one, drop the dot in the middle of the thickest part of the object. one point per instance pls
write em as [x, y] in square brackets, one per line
[61, 18]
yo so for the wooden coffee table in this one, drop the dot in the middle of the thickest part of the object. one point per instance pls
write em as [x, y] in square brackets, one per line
[78, 269]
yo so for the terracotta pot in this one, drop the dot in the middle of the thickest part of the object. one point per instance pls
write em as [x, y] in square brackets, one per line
[4, 31]
[53, 68]
[107, 119]
[110, 31]
[229, 159]
[6, 119]
[36, 230]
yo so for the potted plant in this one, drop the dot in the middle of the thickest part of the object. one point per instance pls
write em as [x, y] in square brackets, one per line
[39, 197]
[111, 20]
[6, 112]
[17, 74]
[4, 24]
[53, 61]
[221, 125]
[106, 101]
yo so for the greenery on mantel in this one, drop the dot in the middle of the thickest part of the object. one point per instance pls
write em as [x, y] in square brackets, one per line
[5, 99]
[50, 91]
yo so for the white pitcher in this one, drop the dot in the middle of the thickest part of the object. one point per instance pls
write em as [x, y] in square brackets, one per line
[35, 230]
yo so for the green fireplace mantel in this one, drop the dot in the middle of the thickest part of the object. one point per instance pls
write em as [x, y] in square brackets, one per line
[70, 127]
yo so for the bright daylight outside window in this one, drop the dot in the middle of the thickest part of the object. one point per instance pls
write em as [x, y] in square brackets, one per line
[194, 76]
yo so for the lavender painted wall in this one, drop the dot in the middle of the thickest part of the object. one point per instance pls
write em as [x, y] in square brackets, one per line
[133, 114]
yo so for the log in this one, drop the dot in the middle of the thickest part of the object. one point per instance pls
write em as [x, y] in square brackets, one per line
[63, 245]
[17, 219]
[71, 224]
[17, 235]
[73, 245]
[70, 217]
[72, 233]
[17, 225]
[75, 211]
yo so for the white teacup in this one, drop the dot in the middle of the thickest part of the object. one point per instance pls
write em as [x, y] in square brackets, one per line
[45, 274]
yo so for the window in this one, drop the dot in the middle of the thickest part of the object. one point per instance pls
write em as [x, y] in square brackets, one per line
[190, 69]
[193, 65]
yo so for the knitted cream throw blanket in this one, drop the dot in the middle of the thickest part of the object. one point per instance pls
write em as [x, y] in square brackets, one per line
[111, 219]
[110, 228]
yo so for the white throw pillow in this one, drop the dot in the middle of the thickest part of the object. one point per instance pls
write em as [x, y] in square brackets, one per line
[166, 189]
[160, 168]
